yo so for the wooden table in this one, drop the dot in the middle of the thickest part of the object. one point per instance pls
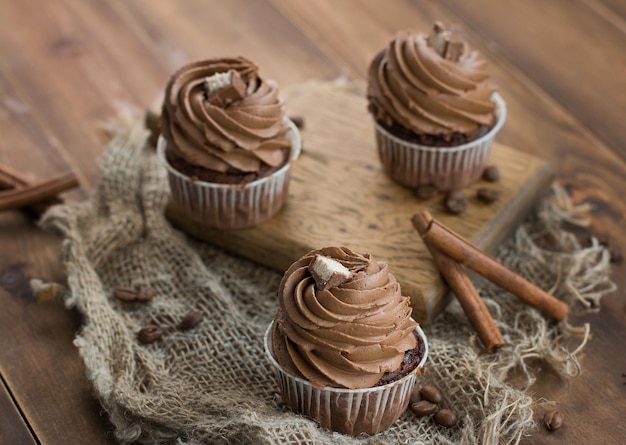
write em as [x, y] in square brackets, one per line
[66, 66]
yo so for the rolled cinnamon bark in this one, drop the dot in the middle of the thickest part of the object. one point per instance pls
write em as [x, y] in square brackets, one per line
[457, 247]
[11, 179]
[31, 194]
[473, 306]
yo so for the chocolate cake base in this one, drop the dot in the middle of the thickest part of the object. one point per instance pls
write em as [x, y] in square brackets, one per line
[431, 140]
[411, 359]
[228, 177]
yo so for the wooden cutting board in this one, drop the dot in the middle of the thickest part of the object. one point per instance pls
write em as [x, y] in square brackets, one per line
[339, 195]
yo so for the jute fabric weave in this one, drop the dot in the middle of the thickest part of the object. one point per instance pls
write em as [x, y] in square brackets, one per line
[213, 384]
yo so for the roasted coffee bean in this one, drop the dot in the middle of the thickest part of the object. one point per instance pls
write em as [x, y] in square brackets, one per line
[615, 255]
[456, 202]
[415, 396]
[145, 294]
[487, 195]
[491, 173]
[298, 121]
[191, 320]
[125, 294]
[425, 191]
[553, 420]
[149, 334]
[445, 417]
[423, 408]
[431, 394]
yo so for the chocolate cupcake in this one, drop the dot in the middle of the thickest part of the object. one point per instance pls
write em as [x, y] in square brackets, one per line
[435, 111]
[344, 346]
[226, 143]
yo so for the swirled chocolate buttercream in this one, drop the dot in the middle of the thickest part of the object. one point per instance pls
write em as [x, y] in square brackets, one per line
[431, 85]
[342, 320]
[220, 115]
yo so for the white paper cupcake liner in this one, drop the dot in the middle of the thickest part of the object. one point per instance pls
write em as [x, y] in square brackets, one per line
[447, 168]
[347, 411]
[231, 206]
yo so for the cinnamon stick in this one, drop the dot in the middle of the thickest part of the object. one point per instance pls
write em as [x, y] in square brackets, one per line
[455, 246]
[473, 306]
[11, 179]
[28, 195]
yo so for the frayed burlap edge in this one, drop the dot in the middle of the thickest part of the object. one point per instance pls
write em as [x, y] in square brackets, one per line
[214, 385]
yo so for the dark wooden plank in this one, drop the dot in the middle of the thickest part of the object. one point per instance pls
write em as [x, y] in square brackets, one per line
[593, 403]
[38, 360]
[588, 70]
[612, 10]
[198, 29]
[95, 61]
[13, 429]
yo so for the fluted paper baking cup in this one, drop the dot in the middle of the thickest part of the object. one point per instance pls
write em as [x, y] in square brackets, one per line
[447, 168]
[231, 206]
[347, 411]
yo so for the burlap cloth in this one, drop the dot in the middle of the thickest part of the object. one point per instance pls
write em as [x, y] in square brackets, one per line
[213, 384]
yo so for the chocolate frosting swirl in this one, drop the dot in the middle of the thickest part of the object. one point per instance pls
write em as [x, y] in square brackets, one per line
[211, 130]
[349, 335]
[416, 84]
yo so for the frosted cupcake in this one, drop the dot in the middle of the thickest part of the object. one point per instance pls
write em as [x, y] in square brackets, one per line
[226, 143]
[435, 111]
[344, 346]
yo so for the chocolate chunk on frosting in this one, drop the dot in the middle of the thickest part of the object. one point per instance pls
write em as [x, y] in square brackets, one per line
[220, 115]
[431, 84]
[348, 335]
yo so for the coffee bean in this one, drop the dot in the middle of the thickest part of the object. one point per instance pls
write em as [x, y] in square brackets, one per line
[423, 408]
[415, 396]
[191, 320]
[553, 420]
[425, 191]
[456, 202]
[298, 121]
[487, 195]
[149, 334]
[491, 173]
[445, 417]
[125, 294]
[615, 255]
[431, 394]
[145, 294]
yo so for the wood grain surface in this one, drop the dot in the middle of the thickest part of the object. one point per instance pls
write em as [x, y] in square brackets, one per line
[339, 195]
[67, 66]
